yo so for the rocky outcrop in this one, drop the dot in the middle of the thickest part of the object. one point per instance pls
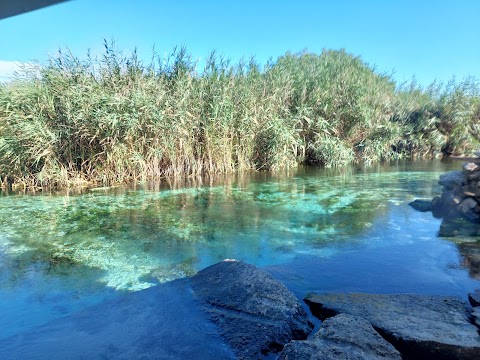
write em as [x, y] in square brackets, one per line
[230, 310]
[419, 326]
[459, 204]
[342, 337]
[255, 313]
[474, 298]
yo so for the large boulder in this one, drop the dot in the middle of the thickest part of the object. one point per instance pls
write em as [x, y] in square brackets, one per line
[255, 313]
[419, 326]
[342, 337]
[452, 179]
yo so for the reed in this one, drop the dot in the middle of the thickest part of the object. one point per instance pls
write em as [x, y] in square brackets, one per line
[115, 119]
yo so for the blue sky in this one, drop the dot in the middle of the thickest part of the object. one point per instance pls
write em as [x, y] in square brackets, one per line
[431, 39]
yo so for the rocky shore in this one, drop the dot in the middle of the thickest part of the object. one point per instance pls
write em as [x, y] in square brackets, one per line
[232, 310]
[459, 204]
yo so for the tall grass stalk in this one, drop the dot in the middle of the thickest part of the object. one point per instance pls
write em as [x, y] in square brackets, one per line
[114, 119]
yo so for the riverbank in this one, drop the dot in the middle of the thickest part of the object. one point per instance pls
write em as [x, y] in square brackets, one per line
[111, 120]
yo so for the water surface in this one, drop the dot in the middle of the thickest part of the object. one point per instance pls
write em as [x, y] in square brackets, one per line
[349, 229]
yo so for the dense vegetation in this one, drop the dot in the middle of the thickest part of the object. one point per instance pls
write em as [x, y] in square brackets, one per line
[114, 119]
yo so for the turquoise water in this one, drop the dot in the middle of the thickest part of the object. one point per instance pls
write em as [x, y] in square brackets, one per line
[315, 229]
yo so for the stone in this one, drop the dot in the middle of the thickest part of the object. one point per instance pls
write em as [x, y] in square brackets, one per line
[342, 337]
[473, 176]
[421, 205]
[458, 227]
[467, 208]
[255, 314]
[476, 315]
[470, 166]
[437, 208]
[477, 154]
[452, 179]
[470, 257]
[448, 204]
[162, 322]
[419, 326]
[474, 297]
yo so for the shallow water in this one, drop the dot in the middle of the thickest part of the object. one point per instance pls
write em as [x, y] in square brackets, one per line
[314, 229]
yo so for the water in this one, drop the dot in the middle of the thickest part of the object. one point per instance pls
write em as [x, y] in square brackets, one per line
[314, 229]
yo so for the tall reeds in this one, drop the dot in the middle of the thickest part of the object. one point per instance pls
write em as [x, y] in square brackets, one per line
[114, 119]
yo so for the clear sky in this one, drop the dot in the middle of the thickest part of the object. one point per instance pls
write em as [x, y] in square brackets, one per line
[431, 39]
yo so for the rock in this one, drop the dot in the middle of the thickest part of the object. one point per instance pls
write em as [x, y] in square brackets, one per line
[342, 337]
[448, 204]
[419, 326]
[437, 208]
[458, 227]
[476, 315]
[255, 314]
[162, 322]
[452, 179]
[470, 252]
[467, 208]
[474, 298]
[473, 176]
[477, 153]
[470, 166]
[421, 205]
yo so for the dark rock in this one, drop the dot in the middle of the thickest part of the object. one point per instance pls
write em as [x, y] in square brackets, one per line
[469, 190]
[342, 337]
[474, 298]
[476, 315]
[467, 208]
[421, 205]
[458, 227]
[448, 203]
[452, 179]
[473, 176]
[255, 313]
[419, 326]
[437, 208]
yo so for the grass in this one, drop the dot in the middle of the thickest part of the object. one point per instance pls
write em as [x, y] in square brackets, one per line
[113, 119]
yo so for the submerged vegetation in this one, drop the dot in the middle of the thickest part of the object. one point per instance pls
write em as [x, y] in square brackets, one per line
[113, 119]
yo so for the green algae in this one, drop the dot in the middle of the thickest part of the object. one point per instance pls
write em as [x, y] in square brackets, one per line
[136, 238]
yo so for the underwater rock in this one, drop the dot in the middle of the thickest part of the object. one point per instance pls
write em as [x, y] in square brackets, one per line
[458, 227]
[255, 313]
[162, 322]
[470, 252]
[342, 337]
[421, 205]
[419, 326]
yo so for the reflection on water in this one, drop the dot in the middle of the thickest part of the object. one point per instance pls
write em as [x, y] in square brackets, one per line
[470, 252]
[63, 252]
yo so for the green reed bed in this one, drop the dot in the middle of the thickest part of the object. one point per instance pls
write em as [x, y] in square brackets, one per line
[114, 119]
